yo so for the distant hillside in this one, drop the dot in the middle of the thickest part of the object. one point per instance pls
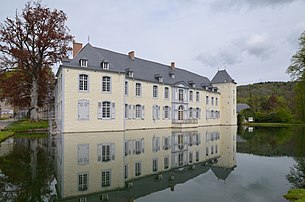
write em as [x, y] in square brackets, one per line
[279, 89]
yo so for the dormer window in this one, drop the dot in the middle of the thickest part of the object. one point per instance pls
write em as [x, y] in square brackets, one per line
[159, 77]
[83, 62]
[129, 72]
[172, 74]
[105, 65]
[192, 84]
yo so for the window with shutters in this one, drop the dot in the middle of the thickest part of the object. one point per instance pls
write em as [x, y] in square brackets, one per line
[166, 143]
[166, 92]
[138, 168]
[156, 144]
[106, 84]
[82, 181]
[106, 109]
[155, 91]
[106, 152]
[138, 89]
[138, 146]
[156, 112]
[166, 112]
[106, 178]
[128, 147]
[83, 109]
[83, 154]
[83, 82]
[138, 111]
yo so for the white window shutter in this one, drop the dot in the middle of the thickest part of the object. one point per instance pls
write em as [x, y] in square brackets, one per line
[113, 110]
[112, 151]
[159, 109]
[143, 110]
[99, 110]
[134, 112]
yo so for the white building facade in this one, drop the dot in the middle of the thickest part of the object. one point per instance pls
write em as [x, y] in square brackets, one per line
[101, 90]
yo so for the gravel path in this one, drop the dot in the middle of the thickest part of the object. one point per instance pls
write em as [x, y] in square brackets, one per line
[4, 123]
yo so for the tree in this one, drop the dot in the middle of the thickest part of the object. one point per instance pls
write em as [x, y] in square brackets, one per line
[30, 44]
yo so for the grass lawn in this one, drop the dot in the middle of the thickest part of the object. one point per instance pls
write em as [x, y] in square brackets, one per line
[5, 134]
[26, 125]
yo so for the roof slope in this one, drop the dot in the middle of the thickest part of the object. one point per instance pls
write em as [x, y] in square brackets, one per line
[142, 69]
[222, 76]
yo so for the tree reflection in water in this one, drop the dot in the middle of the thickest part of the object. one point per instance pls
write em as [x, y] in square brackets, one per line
[297, 174]
[25, 171]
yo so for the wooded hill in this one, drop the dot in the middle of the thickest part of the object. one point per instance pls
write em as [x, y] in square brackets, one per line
[272, 99]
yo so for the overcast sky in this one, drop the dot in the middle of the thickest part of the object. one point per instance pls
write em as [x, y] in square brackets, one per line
[253, 39]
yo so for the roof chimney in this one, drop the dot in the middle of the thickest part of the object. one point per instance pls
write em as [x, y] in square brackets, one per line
[131, 54]
[76, 48]
[173, 65]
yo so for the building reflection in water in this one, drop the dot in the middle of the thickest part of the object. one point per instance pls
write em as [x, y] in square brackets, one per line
[128, 165]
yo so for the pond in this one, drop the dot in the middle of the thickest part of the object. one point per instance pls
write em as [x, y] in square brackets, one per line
[196, 164]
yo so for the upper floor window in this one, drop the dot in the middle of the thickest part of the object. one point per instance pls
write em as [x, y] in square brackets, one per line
[106, 110]
[190, 112]
[138, 111]
[212, 100]
[191, 95]
[181, 94]
[126, 87]
[155, 91]
[197, 96]
[216, 101]
[105, 152]
[105, 65]
[83, 82]
[207, 100]
[106, 84]
[166, 112]
[138, 168]
[83, 109]
[83, 154]
[83, 62]
[166, 92]
[138, 89]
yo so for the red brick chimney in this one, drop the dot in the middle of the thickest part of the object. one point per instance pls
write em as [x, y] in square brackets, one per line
[173, 65]
[76, 48]
[131, 54]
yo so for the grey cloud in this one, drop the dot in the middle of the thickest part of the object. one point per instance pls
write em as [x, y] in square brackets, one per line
[293, 37]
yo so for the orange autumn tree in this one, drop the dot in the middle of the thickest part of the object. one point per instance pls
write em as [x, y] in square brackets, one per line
[29, 45]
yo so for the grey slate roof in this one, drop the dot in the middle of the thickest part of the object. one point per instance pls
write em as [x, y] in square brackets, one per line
[142, 69]
[222, 76]
[241, 106]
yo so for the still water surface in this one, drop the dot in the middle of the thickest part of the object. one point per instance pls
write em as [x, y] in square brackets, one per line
[202, 164]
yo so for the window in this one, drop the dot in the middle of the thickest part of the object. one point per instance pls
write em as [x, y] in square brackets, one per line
[216, 101]
[106, 109]
[206, 151]
[83, 154]
[197, 96]
[180, 159]
[138, 89]
[83, 62]
[138, 111]
[212, 100]
[106, 84]
[138, 146]
[106, 178]
[191, 95]
[155, 165]
[126, 171]
[190, 112]
[155, 91]
[166, 112]
[138, 169]
[166, 93]
[166, 143]
[106, 152]
[212, 149]
[180, 95]
[216, 149]
[207, 100]
[156, 112]
[126, 111]
[197, 156]
[180, 112]
[156, 144]
[83, 82]
[126, 87]
[198, 113]
[83, 109]
[191, 157]
[82, 181]
[166, 162]
[105, 65]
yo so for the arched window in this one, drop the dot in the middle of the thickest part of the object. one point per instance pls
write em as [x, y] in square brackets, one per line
[180, 112]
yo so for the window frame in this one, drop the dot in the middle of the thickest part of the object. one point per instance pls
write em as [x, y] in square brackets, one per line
[106, 179]
[166, 93]
[85, 83]
[106, 84]
[138, 89]
[155, 91]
